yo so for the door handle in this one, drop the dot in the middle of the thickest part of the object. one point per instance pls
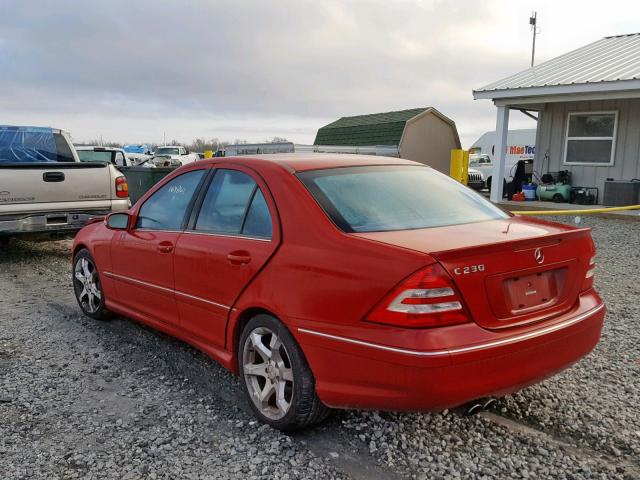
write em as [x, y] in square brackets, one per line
[239, 257]
[165, 247]
[53, 176]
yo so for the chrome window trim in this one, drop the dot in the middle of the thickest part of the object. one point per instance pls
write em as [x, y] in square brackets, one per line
[152, 230]
[213, 234]
[471, 348]
[165, 289]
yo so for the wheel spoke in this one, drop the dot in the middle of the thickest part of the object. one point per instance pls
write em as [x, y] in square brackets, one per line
[259, 370]
[275, 345]
[286, 374]
[85, 267]
[281, 401]
[83, 293]
[265, 394]
[263, 351]
[91, 302]
[96, 291]
[79, 276]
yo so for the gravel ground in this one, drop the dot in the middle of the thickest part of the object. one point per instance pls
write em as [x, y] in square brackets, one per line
[87, 399]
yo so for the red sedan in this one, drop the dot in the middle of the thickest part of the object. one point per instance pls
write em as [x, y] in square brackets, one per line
[338, 281]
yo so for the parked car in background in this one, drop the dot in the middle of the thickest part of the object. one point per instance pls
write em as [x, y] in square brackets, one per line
[115, 156]
[173, 156]
[475, 179]
[346, 281]
[139, 154]
[45, 190]
[481, 163]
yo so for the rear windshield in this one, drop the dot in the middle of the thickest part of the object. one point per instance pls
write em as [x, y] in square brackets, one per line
[94, 156]
[167, 151]
[33, 145]
[398, 197]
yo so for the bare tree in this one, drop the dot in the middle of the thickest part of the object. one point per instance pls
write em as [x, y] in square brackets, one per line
[276, 140]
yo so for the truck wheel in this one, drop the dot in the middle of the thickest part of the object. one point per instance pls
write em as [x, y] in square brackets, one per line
[87, 286]
[277, 380]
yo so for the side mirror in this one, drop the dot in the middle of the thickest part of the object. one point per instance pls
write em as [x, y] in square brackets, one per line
[118, 221]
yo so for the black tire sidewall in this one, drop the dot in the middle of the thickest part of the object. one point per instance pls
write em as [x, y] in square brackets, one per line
[301, 372]
[102, 313]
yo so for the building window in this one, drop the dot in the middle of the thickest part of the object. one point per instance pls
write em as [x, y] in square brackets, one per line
[590, 138]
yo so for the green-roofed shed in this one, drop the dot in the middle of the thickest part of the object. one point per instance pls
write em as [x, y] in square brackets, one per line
[421, 134]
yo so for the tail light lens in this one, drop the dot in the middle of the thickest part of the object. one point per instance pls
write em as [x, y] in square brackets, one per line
[122, 187]
[428, 298]
[587, 283]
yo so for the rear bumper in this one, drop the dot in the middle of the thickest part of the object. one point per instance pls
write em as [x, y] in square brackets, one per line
[55, 222]
[393, 378]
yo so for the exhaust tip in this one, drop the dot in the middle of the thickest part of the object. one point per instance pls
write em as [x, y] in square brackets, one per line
[489, 403]
[479, 405]
[473, 409]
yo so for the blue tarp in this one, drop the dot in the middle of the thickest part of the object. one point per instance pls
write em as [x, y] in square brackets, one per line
[28, 145]
[144, 149]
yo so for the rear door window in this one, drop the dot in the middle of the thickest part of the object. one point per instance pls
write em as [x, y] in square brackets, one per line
[258, 221]
[166, 208]
[234, 204]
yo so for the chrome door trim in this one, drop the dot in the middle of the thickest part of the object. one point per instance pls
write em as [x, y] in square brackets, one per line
[165, 289]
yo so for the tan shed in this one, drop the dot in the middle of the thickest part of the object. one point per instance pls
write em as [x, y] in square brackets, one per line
[421, 134]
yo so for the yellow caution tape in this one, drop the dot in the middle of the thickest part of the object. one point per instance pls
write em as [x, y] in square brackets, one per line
[576, 212]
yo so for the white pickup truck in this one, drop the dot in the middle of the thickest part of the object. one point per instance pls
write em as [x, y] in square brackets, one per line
[173, 156]
[45, 191]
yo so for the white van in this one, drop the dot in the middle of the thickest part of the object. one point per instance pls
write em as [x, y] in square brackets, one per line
[521, 145]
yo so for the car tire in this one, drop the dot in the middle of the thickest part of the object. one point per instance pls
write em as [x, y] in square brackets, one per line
[276, 378]
[87, 286]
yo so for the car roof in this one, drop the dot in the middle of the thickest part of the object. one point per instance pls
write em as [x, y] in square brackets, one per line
[300, 162]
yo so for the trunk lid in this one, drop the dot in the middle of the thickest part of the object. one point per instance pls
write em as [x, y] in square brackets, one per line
[509, 272]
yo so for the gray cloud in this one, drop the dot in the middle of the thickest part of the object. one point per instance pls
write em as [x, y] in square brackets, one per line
[246, 69]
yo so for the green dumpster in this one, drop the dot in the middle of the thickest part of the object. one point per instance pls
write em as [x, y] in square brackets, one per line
[141, 179]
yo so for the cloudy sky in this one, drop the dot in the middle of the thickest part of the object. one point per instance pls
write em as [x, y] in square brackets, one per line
[135, 70]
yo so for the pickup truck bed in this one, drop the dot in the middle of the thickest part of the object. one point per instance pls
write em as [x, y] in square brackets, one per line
[54, 197]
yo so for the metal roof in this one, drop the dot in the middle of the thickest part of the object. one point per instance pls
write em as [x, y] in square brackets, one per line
[610, 59]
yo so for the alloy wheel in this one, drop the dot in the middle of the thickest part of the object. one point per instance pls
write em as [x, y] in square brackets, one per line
[88, 289]
[267, 371]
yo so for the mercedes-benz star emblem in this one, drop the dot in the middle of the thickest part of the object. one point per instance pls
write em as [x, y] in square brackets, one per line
[538, 255]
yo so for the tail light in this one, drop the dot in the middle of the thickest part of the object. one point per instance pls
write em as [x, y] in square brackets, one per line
[122, 187]
[428, 298]
[587, 283]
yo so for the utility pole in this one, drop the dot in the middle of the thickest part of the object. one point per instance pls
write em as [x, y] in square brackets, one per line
[533, 21]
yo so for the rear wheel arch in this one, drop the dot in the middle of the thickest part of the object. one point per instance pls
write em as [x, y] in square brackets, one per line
[238, 327]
